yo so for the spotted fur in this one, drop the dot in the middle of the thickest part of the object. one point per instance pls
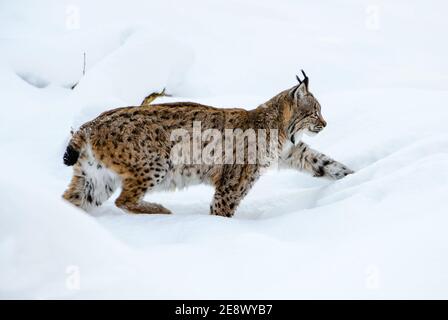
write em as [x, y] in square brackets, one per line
[303, 158]
[131, 147]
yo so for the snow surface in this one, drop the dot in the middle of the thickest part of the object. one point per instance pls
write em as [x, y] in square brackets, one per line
[379, 70]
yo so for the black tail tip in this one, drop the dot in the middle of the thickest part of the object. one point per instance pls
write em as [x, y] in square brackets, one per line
[70, 156]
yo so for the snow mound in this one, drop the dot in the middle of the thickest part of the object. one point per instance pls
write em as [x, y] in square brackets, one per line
[379, 233]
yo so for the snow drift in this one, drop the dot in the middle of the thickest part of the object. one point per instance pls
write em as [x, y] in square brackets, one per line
[381, 81]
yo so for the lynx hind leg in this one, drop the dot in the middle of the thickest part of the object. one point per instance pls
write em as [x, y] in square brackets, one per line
[75, 191]
[232, 188]
[91, 185]
[137, 183]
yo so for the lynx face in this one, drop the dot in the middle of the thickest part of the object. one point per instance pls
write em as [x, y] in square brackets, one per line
[306, 112]
[313, 122]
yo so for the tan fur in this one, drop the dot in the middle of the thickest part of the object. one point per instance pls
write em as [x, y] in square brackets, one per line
[133, 144]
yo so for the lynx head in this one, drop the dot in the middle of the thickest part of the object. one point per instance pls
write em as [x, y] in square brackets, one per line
[305, 111]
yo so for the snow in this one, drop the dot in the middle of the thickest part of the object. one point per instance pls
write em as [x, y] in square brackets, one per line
[379, 71]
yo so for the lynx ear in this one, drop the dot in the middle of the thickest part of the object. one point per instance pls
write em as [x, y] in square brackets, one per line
[302, 88]
[305, 81]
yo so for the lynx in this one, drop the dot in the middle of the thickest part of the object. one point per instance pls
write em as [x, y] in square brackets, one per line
[132, 147]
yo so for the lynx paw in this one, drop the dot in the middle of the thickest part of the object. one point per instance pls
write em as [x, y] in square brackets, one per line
[336, 170]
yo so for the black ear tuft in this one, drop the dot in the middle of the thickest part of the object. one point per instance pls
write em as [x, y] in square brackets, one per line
[306, 80]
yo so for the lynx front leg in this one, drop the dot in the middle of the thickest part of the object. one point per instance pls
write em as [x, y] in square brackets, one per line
[233, 186]
[303, 158]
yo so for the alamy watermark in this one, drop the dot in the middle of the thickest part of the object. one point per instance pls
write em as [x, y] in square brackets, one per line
[72, 17]
[73, 278]
[229, 146]
[372, 21]
[372, 277]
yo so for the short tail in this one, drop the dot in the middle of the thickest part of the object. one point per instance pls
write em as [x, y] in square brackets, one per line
[71, 156]
[74, 148]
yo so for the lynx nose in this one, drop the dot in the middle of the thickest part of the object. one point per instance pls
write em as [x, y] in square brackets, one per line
[323, 123]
